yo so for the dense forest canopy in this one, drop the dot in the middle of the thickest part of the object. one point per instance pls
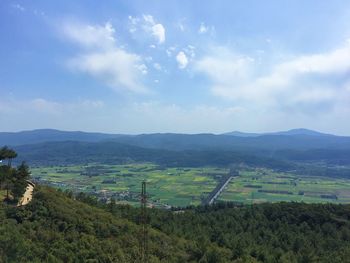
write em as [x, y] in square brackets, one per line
[57, 227]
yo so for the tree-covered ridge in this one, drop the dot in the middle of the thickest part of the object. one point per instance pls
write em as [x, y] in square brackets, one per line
[57, 227]
[281, 232]
[74, 153]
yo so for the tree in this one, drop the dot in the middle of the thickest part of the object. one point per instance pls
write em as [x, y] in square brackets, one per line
[7, 153]
[15, 179]
[19, 180]
[112, 205]
[7, 178]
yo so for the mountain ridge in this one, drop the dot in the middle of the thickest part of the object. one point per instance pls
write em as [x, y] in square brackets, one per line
[297, 131]
[46, 135]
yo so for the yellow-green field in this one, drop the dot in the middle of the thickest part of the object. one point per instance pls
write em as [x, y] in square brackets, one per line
[262, 185]
[188, 186]
[173, 186]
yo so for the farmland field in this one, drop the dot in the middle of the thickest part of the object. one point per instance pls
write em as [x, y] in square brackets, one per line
[173, 186]
[189, 186]
[261, 185]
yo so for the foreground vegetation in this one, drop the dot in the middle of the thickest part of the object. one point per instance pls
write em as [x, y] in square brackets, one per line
[57, 228]
[13, 181]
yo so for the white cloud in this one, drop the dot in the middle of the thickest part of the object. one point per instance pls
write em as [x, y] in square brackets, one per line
[103, 59]
[203, 29]
[149, 19]
[304, 83]
[158, 31]
[170, 51]
[181, 24]
[45, 106]
[182, 60]
[133, 24]
[190, 51]
[157, 66]
[119, 69]
[91, 36]
[142, 68]
[149, 25]
[181, 27]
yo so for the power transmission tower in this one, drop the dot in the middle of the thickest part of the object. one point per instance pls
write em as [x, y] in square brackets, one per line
[144, 230]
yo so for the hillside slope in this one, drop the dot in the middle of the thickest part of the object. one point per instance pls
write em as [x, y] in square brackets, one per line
[55, 228]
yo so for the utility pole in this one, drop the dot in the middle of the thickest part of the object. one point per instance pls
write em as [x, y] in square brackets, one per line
[144, 230]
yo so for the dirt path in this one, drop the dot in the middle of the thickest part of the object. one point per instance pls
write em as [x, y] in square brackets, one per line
[28, 195]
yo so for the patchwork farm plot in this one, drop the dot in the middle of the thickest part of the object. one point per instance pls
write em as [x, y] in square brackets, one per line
[261, 185]
[166, 186]
[189, 186]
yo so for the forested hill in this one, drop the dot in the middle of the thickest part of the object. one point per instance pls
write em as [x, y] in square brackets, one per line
[298, 145]
[299, 139]
[49, 135]
[57, 228]
[72, 152]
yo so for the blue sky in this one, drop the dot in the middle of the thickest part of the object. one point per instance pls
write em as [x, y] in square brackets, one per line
[175, 66]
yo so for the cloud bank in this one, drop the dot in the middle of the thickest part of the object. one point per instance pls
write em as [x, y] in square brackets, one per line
[306, 83]
[103, 59]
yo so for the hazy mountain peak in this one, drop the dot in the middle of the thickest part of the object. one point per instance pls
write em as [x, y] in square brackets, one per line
[298, 131]
[301, 131]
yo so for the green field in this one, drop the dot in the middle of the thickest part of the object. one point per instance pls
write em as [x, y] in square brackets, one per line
[173, 186]
[262, 185]
[188, 186]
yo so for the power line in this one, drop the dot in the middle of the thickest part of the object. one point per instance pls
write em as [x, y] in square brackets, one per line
[144, 229]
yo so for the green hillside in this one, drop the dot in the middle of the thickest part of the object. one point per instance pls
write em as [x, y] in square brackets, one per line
[57, 228]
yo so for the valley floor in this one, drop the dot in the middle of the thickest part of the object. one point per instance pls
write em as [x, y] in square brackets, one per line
[181, 187]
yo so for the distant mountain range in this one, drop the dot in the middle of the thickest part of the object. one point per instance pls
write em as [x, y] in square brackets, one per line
[146, 140]
[270, 149]
[50, 135]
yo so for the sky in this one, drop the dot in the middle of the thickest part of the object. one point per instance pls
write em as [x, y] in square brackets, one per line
[132, 66]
